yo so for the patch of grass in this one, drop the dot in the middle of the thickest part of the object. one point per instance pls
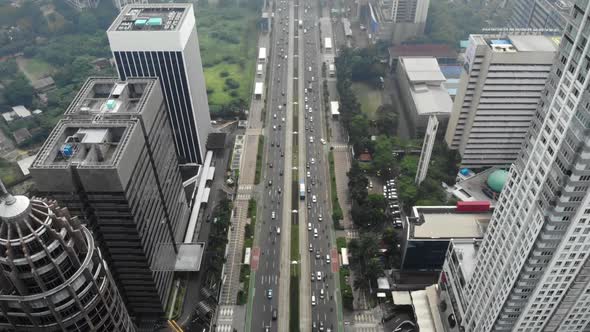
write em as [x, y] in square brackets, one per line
[176, 310]
[9, 172]
[336, 209]
[227, 40]
[259, 159]
[35, 68]
[341, 243]
[346, 290]
[294, 302]
[295, 242]
[245, 281]
[368, 97]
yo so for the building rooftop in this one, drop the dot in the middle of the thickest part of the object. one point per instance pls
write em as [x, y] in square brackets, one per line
[150, 17]
[418, 50]
[427, 90]
[440, 222]
[475, 188]
[97, 124]
[517, 42]
[422, 69]
[466, 252]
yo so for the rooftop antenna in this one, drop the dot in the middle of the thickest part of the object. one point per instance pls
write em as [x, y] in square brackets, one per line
[6, 196]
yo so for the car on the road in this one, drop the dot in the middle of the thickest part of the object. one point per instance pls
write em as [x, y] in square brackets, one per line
[269, 293]
[279, 191]
[321, 324]
[274, 115]
[312, 276]
[273, 215]
[321, 297]
[269, 183]
[323, 141]
[319, 275]
[308, 189]
[307, 165]
[320, 217]
[311, 119]
[311, 247]
[267, 329]
[314, 199]
[315, 232]
[313, 300]
[309, 227]
[313, 182]
[274, 314]
[278, 230]
[308, 174]
[270, 165]
[282, 153]
[274, 127]
[310, 139]
[308, 205]
[317, 254]
[312, 161]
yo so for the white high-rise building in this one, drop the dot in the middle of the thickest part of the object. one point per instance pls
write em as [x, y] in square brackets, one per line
[160, 40]
[498, 94]
[532, 272]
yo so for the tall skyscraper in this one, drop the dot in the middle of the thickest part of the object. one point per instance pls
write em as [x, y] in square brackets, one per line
[120, 4]
[539, 14]
[398, 20]
[499, 89]
[160, 40]
[111, 160]
[52, 277]
[532, 272]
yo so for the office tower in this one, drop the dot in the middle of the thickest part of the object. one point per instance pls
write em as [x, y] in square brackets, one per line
[398, 20]
[532, 272]
[83, 4]
[539, 14]
[111, 160]
[160, 40]
[498, 93]
[52, 277]
[120, 4]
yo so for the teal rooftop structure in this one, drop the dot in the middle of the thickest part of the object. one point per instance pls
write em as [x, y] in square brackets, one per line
[497, 180]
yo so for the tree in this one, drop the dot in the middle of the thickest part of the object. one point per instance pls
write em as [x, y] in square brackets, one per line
[359, 127]
[365, 261]
[387, 119]
[19, 91]
[357, 183]
[391, 242]
[383, 159]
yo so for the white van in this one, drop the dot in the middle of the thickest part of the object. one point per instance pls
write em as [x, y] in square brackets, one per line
[328, 258]
[309, 226]
[313, 300]
[315, 232]
[278, 230]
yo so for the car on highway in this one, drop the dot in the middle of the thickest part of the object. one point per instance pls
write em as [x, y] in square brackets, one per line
[269, 293]
[312, 276]
[321, 297]
[312, 161]
[321, 322]
[320, 217]
[307, 165]
[274, 314]
[328, 258]
[319, 275]
[311, 247]
[323, 141]
[269, 183]
[274, 116]
[313, 300]
[315, 232]
[314, 199]
[308, 174]
[270, 165]
[309, 228]
[273, 215]
[310, 139]
[278, 230]
[318, 255]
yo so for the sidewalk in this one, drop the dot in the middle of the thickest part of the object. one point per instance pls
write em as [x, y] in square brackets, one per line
[227, 318]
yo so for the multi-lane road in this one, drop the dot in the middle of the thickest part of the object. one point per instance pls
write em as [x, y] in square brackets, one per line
[320, 245]
[273, 233]
[294, 78]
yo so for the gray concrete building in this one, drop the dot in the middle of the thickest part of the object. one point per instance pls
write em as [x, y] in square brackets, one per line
[111, 160]
[532, 270]
[422, 91]
[160, 40]
[398, 20]
[52, 276]
[539, 14]
[499, 89]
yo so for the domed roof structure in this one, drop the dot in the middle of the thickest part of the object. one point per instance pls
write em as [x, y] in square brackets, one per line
[497, 179]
